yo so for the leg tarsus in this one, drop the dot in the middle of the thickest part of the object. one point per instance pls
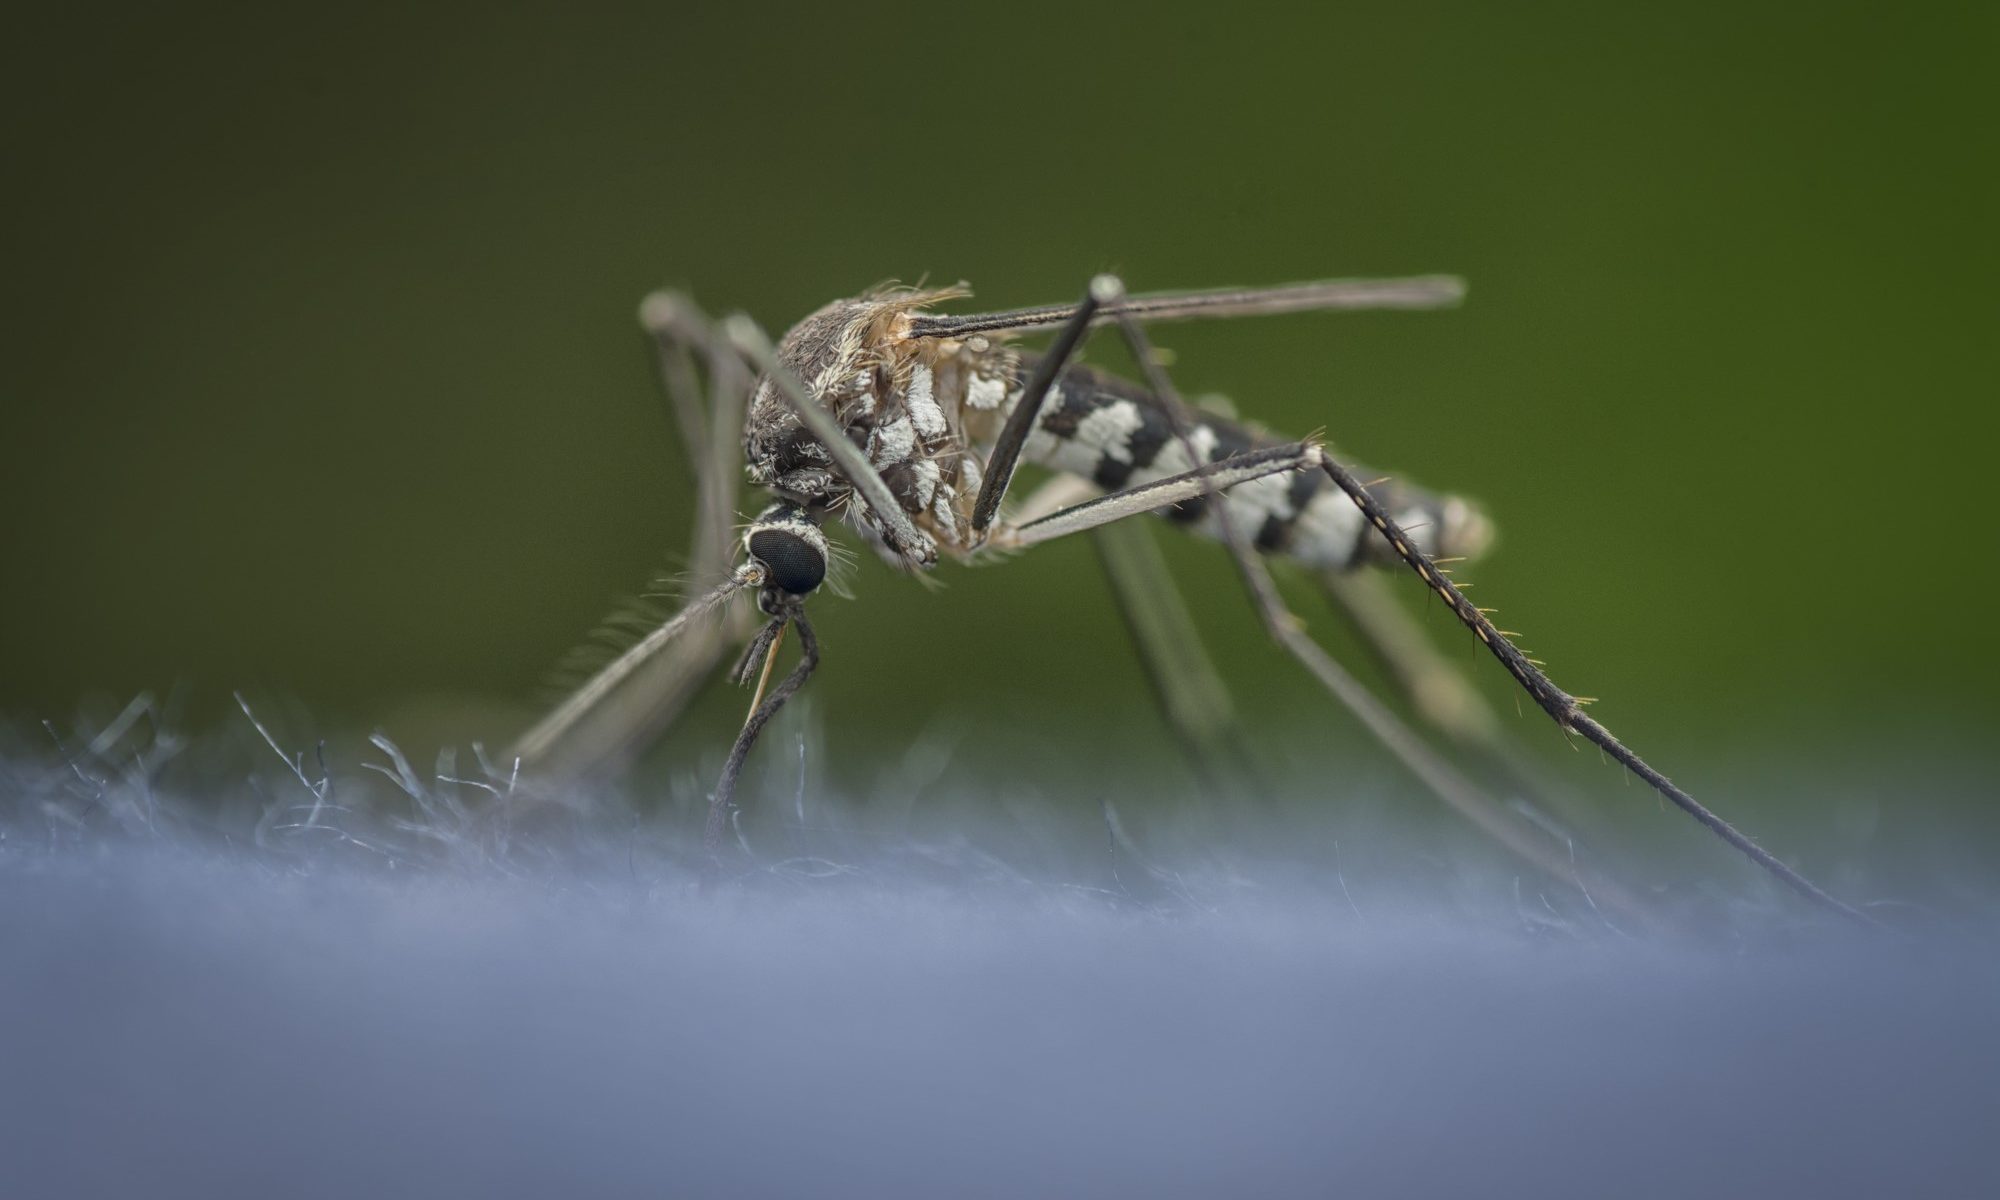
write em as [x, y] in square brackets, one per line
[1285, 628]
[1443, 696]
[1560, 705]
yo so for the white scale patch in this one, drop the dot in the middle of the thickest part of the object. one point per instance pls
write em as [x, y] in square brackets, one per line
[1266, 496]
[923, 406]
[1248, 504]
[1109, 430]
[985, 393]
[1103, 431]
[864, 393]
[1042, 446]
[1324, 534]
[927, 481]
[1173, 457]
[894, 442]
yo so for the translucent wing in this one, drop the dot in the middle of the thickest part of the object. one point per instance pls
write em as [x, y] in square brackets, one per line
[1421, 291]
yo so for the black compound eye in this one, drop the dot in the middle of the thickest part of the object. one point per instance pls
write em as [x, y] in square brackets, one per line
[790, 562]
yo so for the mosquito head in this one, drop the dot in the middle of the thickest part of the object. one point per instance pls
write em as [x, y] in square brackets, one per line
[787, 544]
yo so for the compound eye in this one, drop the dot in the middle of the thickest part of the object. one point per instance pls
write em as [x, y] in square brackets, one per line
[791, 563]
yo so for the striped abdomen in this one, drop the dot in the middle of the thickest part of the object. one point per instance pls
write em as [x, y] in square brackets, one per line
[1113, 433]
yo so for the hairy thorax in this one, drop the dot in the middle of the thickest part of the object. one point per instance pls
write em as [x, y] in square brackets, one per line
[922, 410]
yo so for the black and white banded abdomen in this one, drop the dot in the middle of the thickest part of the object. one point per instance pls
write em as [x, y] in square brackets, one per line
[1113, 433]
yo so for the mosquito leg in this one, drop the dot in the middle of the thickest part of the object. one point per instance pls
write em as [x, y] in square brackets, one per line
[1014, 435]
[1161, 493]
[760, 716]
[1447, 782]
[630, 703]
[1439, 690]
[669, 318]
[1054, 494]
[715, 453]
[1566, 710]
[710, 434]
[536, 744]
[1190, 692]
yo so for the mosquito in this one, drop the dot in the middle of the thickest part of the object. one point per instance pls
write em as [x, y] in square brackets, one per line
[907, 425]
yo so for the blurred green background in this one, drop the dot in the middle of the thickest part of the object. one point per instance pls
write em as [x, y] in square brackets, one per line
[322, 374]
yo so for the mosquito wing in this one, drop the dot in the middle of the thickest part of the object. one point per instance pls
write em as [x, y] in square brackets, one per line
[1416, 292]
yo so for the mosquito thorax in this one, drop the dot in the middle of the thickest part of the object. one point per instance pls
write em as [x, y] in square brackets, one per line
[899, 401]
[833, 351]
[787, 545]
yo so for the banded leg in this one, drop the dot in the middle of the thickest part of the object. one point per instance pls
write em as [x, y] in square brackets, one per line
[1447, 782]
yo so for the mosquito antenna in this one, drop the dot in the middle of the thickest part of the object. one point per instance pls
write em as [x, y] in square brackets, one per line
[1565, 709]
[551, 728]
[760, 716]
[1416, 292]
